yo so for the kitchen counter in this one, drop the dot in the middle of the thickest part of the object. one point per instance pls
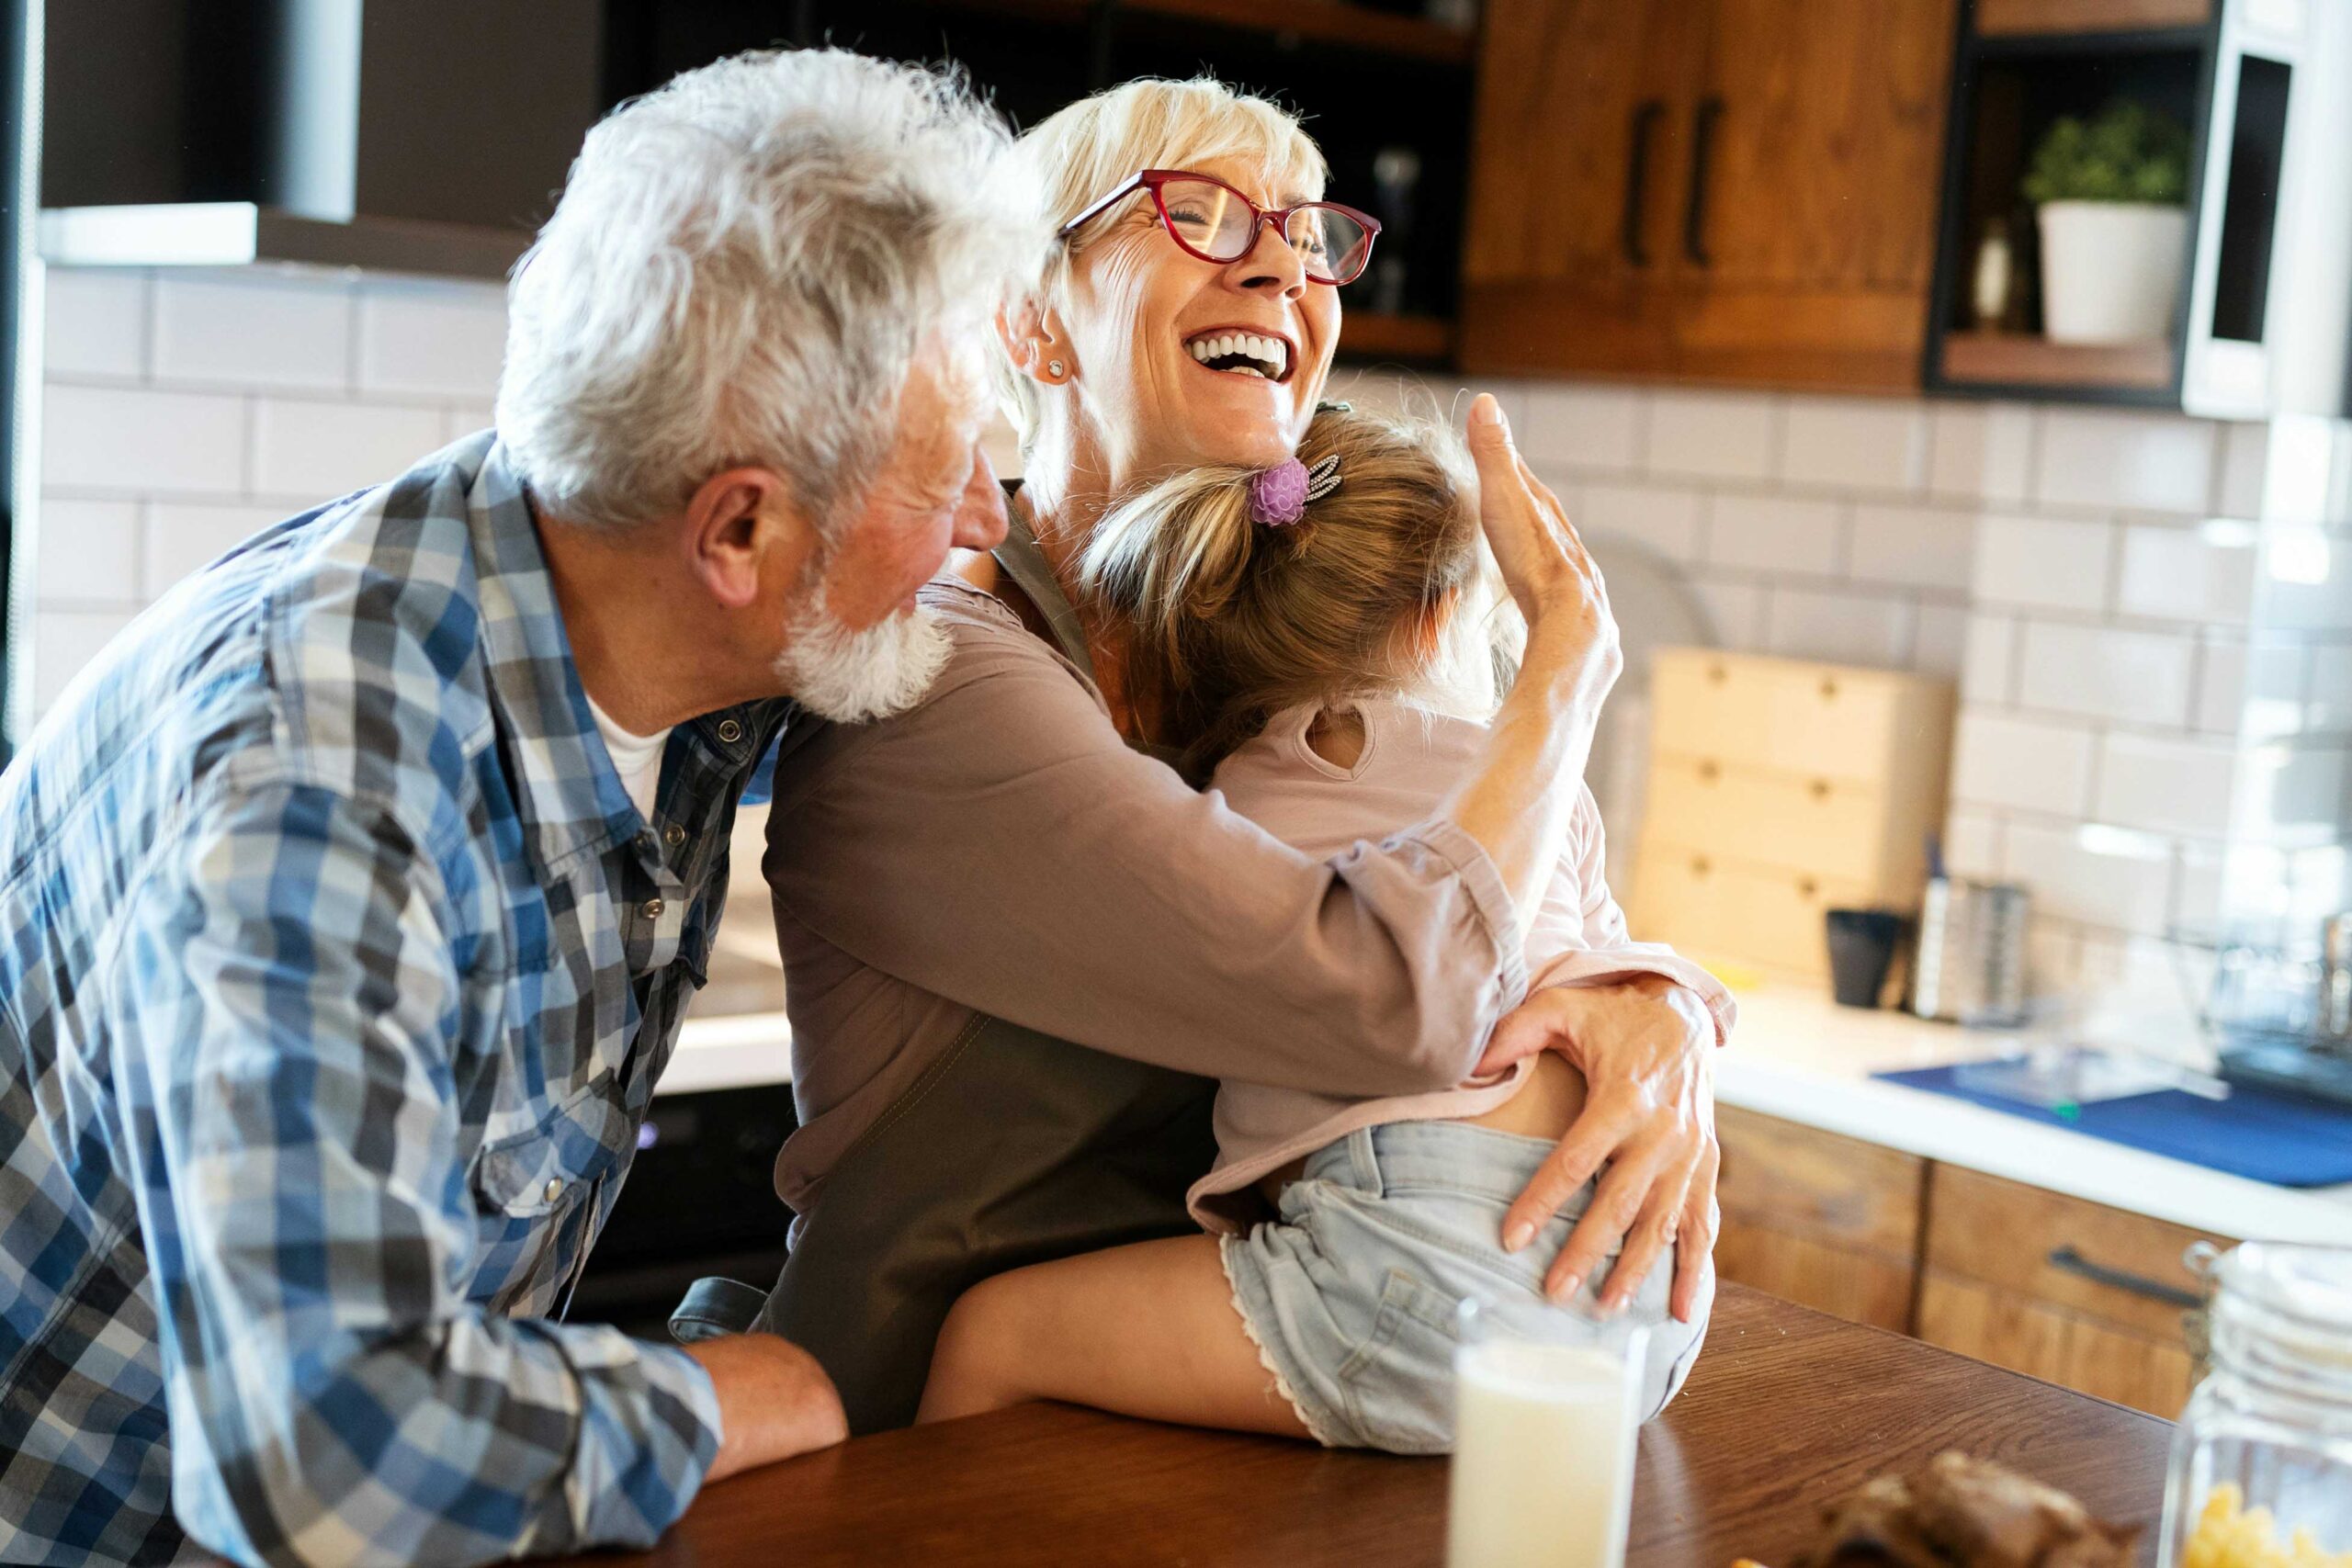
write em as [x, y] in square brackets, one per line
[1785, 1410]
[1799, 1056]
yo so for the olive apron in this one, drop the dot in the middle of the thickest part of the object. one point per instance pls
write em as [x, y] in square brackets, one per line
[1012, 1148]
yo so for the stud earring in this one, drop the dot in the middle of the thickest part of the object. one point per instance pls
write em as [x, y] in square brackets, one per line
[1057, 369]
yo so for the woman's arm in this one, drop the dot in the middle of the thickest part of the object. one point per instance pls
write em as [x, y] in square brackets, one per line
[1001, 846]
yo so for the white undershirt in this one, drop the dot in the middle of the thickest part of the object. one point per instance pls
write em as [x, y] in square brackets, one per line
[636, 758]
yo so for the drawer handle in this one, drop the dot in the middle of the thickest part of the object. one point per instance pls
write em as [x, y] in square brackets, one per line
[1807, 887]
[1698, 866]
[1710, 772]
[2070, 1261]
[1829, 688]
[1718, 674]
[1819, 789]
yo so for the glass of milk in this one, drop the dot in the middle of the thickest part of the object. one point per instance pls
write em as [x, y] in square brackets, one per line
[1545, 1412]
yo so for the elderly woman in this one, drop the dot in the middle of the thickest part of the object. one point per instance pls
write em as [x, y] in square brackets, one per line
[1019, 947]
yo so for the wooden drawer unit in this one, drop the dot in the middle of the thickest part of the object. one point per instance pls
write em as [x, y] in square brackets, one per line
[2076, 1293]
[1816, 1218]
[1779, 789]
[1830, 826]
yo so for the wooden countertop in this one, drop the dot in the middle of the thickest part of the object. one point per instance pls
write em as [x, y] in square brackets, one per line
[1786, 1410]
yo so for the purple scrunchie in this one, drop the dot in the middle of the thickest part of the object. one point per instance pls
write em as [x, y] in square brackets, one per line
[1278, 495]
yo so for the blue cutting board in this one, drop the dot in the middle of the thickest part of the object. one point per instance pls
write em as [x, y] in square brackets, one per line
[2267, 1137]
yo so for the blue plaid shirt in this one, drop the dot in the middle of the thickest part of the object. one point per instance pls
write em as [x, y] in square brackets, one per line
[336, 969]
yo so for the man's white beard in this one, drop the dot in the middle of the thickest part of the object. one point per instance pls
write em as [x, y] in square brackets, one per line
[852, 677]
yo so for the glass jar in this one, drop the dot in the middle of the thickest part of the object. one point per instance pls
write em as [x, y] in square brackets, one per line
[2262, 1462]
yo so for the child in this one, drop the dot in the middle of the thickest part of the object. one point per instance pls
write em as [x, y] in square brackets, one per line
[1309, 633]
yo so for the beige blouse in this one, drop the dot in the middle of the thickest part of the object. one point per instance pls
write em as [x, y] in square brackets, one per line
[1000, 848]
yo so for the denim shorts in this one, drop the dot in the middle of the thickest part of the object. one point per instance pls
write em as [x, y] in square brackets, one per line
[1350, 1295]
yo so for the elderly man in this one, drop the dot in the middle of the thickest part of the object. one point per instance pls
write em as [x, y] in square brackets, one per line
[353, 898]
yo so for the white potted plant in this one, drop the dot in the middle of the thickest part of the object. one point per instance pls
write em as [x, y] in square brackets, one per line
[2110, 196]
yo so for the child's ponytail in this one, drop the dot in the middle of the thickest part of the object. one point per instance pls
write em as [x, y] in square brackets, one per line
[1342, 593]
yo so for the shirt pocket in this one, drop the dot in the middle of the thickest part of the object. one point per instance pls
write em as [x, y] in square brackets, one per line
[541, 1168]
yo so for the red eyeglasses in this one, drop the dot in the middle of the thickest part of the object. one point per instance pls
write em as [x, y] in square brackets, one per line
[1211, 221]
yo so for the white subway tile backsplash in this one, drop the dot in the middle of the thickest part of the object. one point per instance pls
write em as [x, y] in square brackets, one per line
[2208, 574]
[2122, 882]
[86, 551]
[2291, 791]
[317, 451]
[1920, 548]
[438, 339]
[1973, 844]
[96, 322]
[1987, 666]
[126, 440]
[1737, 610]
[1713, 435]
[2166, 785]
[2328, 702]
[1979, 451]
[1775, 534]
[2042, 563]
[1581, 427]
[1664, 519]
[1840, 628]
[2105, 672]
[182, 537]
[2031, 765]
[2246, 452]
[2142, 461]
[1940, 644]
[252, 332]
[1003, 447]
[63, 643]
[1855, 443]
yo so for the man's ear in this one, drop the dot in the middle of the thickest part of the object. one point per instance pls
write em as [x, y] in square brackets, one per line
[743, 527]
[1034, 338]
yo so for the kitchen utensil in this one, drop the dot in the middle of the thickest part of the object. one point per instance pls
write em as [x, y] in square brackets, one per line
[1968, 966]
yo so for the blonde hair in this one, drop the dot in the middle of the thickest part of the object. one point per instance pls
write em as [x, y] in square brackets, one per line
[1080, 153]
[1369, 593]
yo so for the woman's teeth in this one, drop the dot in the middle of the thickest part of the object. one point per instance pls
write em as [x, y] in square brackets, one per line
[1252, 355]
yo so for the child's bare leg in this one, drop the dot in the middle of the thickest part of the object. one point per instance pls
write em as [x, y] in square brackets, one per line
[1146, 1330]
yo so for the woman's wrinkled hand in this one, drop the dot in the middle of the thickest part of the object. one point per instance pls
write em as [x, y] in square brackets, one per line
[1543, 563]
[1646, 1048]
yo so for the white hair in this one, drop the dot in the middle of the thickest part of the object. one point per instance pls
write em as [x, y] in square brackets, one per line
[743, 270]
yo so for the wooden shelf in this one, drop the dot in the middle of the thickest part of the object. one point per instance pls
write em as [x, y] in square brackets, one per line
[2019, 359]
[1325, 21]
[1368, 334]
[1315, 21]
[2040, 18]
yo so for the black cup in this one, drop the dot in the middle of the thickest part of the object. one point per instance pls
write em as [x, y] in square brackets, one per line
[1862, 950]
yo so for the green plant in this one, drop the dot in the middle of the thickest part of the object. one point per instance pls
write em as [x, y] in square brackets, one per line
[2127, 152]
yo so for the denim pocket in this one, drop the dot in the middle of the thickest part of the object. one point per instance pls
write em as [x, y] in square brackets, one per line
[1399, 1384]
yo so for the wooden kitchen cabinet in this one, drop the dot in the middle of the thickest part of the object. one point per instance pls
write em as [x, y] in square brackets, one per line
[2083, 1295]
[1729, 190]
[2076, 1293]
[1827, 1222]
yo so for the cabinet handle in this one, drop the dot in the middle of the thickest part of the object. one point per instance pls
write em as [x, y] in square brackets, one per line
[2073, 1262]
[1819, 789]
[1695, 208]
[1646, 114]
[1709, 771]
[1807, 888]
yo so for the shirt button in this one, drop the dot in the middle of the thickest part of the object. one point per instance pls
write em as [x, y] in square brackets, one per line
[729, 731]
[555, 1188]
[674, 835]
[653, 907]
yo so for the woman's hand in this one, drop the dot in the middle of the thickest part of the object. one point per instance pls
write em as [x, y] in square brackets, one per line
[1543, 563]
[1646, 1047]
